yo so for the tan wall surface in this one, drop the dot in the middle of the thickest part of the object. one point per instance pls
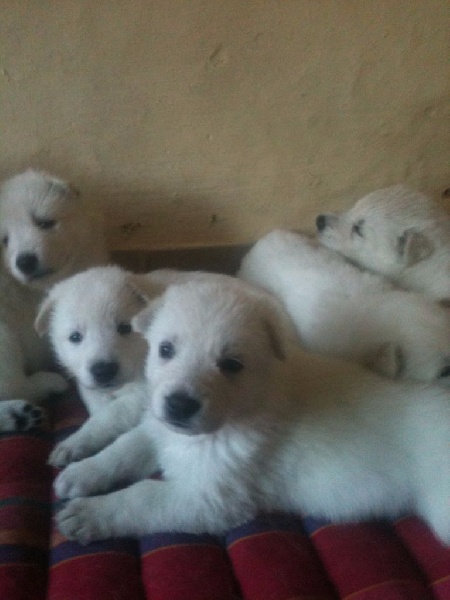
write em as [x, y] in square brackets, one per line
[211, 121]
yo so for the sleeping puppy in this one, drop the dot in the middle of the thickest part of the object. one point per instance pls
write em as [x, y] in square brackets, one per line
[397, 232]
[339, 310]
[46, 234]
[242, 421]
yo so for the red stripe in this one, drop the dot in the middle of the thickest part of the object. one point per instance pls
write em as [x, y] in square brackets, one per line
[367, 562]
[432, 556]
[100, 576]
[188, 572]
[279, 565]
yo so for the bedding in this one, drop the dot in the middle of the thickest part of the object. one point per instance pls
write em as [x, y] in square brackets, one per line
[274, 557]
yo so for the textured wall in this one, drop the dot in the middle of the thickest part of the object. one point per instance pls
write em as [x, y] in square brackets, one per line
[211, 121]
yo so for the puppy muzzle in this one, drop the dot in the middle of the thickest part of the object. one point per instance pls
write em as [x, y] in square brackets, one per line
[180, 409]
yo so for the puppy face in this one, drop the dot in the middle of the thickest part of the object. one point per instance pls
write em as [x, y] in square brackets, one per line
[384, 231]
[42, 227]
[88, 317]
[212, 349]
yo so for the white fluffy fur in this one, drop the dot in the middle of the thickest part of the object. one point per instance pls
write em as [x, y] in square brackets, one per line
[41, 218]
[289, 431]
[96, 304]
[403, 234]
[341, 311]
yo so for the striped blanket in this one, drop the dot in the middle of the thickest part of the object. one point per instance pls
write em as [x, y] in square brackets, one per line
[274, 557]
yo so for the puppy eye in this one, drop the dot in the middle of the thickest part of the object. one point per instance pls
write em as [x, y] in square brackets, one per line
[358, 228]
[445, 372]
[5, 240]
[75, 337]
[124, 328]
[230, 365]
[166, 350]
[44, 223]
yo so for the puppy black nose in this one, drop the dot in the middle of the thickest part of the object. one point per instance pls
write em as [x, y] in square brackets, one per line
[321, 222]
[104, 372]
[180, 407]
[27, 262]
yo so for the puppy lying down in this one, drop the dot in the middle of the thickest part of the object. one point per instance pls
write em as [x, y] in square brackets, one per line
[398, 232]
[339, 310]
[94, 342]
[240, 421]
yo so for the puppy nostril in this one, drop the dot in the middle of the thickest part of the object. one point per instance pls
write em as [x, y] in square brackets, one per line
[179, 406]
[104, 371]
[321, 222]
[27, 263]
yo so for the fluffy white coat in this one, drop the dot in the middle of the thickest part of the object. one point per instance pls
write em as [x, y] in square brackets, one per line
[341, 311]
[46, 235]
[242, 421]
[398, 232]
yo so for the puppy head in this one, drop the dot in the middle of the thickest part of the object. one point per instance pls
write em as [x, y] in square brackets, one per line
[386, 231]
[213, 344]
[88, 319]
[43, 228]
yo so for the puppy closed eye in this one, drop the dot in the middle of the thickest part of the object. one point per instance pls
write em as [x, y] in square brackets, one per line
[75, 337]
[358, 228]
[230, 366]
[5, 240]
[124, 328]
[166, 350]
[44, 223]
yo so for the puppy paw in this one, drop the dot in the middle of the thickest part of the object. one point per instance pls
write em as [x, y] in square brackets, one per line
[78, 479]
[19, 415]
[65, 453]
[81, 520]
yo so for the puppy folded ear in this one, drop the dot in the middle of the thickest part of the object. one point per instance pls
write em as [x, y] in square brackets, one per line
[63, 189]
[145, 288]
[142, 321]
[278, 327]
[386, 360]
[42, 321]
[275, 339]
[413, 246]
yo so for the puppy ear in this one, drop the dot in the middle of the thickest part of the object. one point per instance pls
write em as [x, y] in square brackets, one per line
[275, 339]
[63, 189]
[142, 300]
[413, 246]
[386, 360]
[42, 321]
[278, 327]
[142, 321]
[145, 288]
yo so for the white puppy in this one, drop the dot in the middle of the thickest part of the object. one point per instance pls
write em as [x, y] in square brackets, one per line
[240, 422]
[341, 311]
[46, 234]
[397, 232]
[88, 318]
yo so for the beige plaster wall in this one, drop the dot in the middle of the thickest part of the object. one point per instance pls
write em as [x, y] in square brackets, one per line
[204, 122]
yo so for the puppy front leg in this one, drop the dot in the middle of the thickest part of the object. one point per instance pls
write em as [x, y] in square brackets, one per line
[129, 458]
[14, 381]
[102, 428]
[143, 508]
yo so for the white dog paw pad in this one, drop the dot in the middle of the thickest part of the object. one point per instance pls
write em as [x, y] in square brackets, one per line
[75, 521]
